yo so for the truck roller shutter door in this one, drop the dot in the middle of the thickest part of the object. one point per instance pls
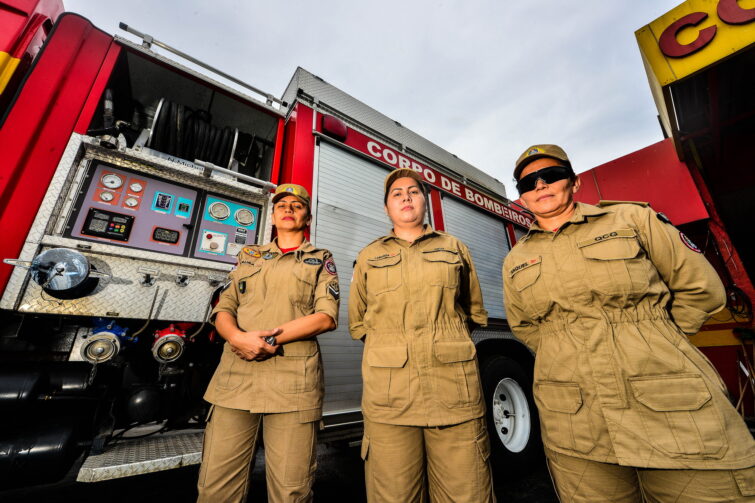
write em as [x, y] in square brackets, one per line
[349, 216]
[485, 235]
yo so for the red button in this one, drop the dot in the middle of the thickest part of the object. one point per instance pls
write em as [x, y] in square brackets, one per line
[209, 236]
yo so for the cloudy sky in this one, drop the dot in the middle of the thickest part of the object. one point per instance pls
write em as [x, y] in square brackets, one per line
[482, 79]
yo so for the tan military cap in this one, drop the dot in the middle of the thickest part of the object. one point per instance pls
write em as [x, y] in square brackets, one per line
[291, 189]
[538, 151]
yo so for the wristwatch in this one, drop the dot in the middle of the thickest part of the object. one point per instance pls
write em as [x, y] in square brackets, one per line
[270, 339]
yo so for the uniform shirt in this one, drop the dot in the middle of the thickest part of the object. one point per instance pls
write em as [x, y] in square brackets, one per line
[414, 303]
[267, 289]
[605, 302]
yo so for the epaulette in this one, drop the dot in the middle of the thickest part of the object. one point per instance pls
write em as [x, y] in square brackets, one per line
[603, 204]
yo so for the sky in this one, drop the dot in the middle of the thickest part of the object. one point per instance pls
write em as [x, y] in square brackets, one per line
[482, 79]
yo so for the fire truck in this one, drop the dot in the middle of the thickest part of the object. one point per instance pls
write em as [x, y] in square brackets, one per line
[129, 181]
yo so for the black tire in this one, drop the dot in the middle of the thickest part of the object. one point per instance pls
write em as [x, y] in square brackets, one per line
[505, 462]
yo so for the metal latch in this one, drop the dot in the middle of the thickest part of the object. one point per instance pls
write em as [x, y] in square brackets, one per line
[182, 277]
[215, 280]
[150, 275]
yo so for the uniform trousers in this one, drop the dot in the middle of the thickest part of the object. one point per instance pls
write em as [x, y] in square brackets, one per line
[230, 442]
[402, 461]
[580, 480]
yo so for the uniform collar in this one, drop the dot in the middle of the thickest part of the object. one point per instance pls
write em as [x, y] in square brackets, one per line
[581, 212]
[427, 232]
[304, 247]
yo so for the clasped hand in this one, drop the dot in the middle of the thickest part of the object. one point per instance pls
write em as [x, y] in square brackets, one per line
[251, 346]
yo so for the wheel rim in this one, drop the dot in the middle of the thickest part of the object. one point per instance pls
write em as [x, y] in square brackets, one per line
[511, 415]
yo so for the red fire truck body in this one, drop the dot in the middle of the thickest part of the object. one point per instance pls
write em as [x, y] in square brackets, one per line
[128, 184]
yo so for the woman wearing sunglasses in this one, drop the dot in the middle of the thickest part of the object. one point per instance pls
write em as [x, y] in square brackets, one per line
[280, 296]
[414, 296]
[606, 296]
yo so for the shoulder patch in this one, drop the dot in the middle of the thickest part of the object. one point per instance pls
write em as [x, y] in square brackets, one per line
[330, 266]
[334, 290]
[688, 243]
[270, 255]
[252, 252]
[605, 203]
[312, 261]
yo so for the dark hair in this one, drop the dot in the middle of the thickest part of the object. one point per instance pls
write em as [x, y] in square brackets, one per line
[422, 188]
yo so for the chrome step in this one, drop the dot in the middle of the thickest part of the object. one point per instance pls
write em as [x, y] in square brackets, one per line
[136, 457]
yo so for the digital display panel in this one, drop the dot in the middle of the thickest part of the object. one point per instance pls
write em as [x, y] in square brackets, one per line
[166, 235]
[107, 224]
[183, 207]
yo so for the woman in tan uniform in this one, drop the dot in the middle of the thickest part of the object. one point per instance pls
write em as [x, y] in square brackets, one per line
[414, 296]
[606, 296]
[280, 296]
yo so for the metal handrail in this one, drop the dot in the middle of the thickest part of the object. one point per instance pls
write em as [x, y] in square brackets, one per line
[148, 40]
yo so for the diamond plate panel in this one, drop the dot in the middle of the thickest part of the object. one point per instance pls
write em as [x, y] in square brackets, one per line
[149, 455]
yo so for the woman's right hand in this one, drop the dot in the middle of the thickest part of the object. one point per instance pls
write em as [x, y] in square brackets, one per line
[251, 345]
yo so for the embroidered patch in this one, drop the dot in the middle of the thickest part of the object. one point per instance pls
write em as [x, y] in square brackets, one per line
[312, 261]
[663, 218]
[330, 266]
[334, 290]
[242, 286]
[270, 255]
[252, 252]
[688, 243]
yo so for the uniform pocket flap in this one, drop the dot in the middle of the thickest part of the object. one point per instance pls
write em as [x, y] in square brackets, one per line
[384, 260]
[442, 255]
[525, 274]
[387, 356]
[666, 393]
[454, 351]
[300, 348]
[244, 271]
[613, 245]
[560, 396]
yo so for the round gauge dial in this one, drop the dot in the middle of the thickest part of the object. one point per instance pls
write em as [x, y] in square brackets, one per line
[131, 202]
[111, 181]
[136, 187]
[219, 211]
[106, 196]
[244, 216]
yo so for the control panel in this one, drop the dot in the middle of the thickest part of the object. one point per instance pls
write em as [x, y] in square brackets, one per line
[126, 208]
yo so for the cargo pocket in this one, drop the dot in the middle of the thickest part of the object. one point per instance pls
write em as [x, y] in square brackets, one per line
[230, 372]
[246, 276]
[386, 376]
[384, 273]
[298, 367]
[678, 416]
[612, 263]
[566, 424]
[443, 267]
[526, 279]
[745, 479]
[456, 381]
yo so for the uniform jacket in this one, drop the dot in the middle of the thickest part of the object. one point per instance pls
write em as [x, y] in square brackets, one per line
[414, 303]
[605, 302]
[266, 290]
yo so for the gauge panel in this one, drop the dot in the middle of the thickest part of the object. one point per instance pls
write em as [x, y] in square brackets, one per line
[125, 208]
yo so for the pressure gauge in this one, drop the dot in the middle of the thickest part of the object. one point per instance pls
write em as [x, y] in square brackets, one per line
[131, 202]
[219, 211]
[106, 196]
[244, 216]
[136, 187]
[111, 181]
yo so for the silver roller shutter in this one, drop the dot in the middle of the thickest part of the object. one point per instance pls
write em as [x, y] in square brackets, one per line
[349, 215]
[485, 235]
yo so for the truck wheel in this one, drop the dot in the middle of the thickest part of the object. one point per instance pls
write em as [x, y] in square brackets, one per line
[513, 424]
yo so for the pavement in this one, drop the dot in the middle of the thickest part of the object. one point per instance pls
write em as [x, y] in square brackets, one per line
[340, 477]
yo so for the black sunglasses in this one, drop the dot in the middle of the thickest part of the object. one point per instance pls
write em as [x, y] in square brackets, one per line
[549, 175]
